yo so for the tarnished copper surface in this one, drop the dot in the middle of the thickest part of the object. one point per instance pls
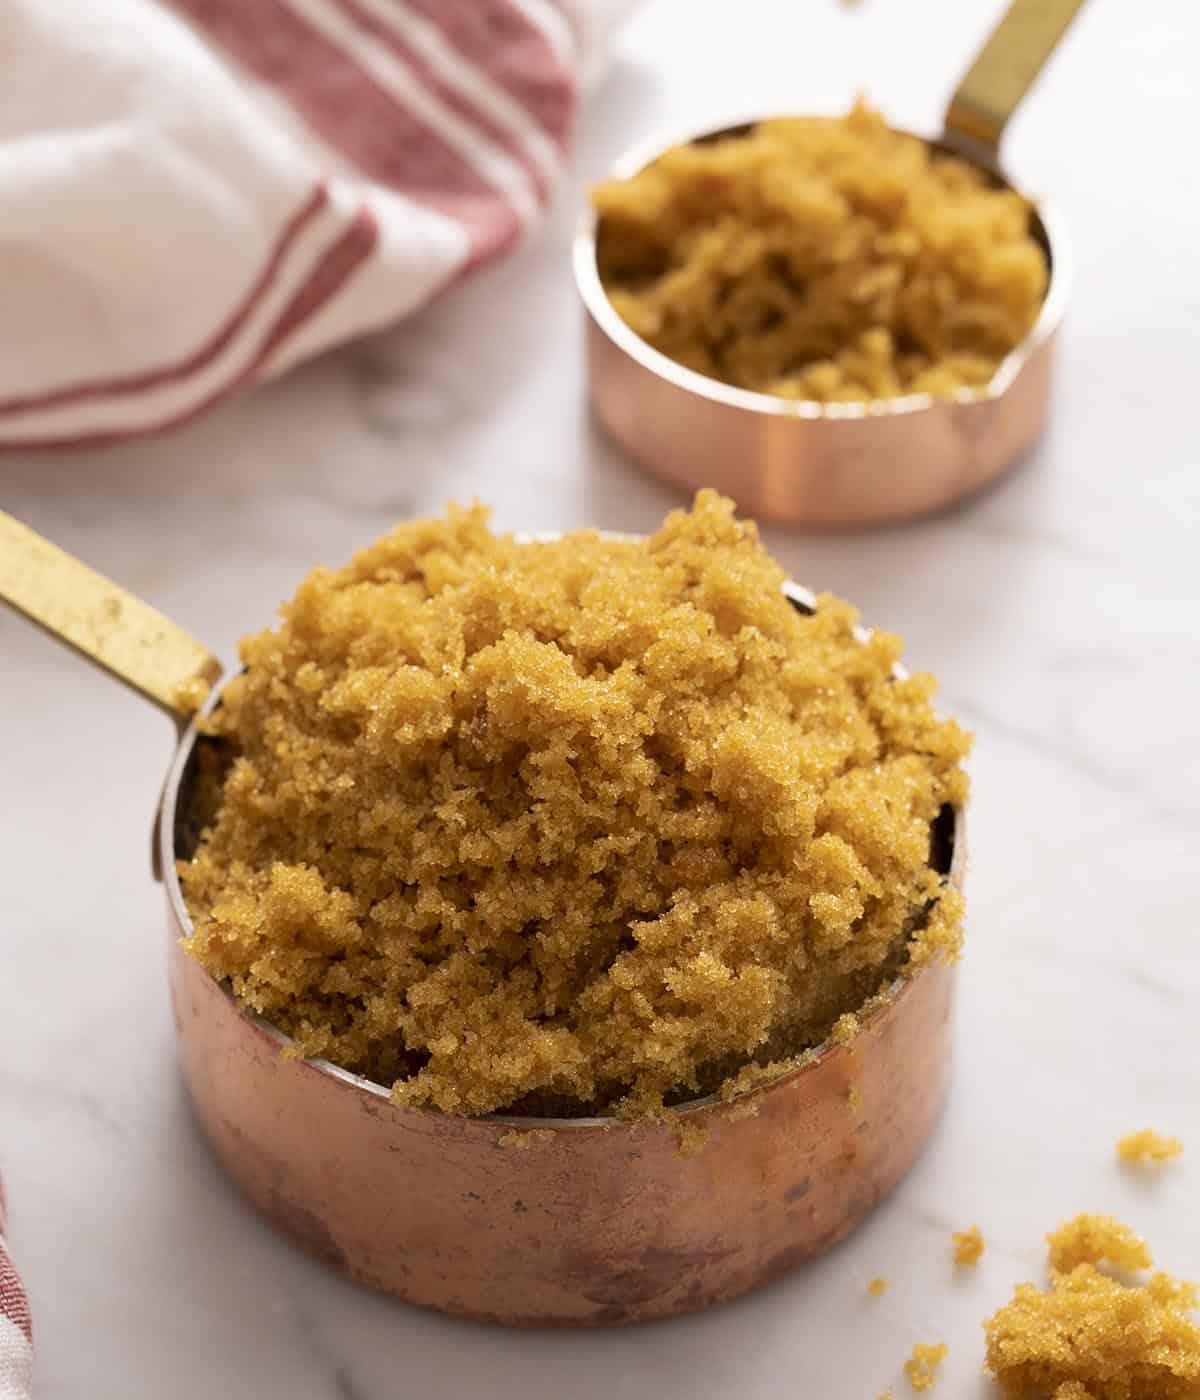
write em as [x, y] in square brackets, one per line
[549, 1221]
[829, 465]
[590, 1222]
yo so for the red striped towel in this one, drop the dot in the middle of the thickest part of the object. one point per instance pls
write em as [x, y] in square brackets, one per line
[195, 195]
[16, 1334]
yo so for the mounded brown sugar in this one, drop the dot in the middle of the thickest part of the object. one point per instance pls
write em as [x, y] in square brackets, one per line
[822, 258]
[580, 825]
[1096, 1337]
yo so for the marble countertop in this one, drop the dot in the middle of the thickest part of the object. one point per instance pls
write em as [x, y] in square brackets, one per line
[1059, 610]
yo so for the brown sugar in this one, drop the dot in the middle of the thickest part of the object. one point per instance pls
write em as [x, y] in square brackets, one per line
[573, 826]
[968, 1246]
[824, 259]
[1092, 1336]
[522, 1142]
[1148, 1146]
[690, 1138]
[922, 1367]
[845, 1028]
[1096, 1239]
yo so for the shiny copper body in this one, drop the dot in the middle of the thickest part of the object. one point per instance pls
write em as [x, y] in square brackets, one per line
[556, 1222]
[828, 465]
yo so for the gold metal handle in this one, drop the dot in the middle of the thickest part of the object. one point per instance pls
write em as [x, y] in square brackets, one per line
[104, 623]
[1005, 70]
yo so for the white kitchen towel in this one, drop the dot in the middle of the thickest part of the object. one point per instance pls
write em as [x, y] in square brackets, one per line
[195, 195]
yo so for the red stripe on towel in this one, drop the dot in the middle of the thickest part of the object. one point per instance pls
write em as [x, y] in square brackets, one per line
[499, 38]
[353, 246]
[199, 359]
[353, 113]
[330, 275]
[393, 37]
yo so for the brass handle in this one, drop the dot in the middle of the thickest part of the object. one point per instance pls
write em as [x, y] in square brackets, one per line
[104, 623]
[1004, 72]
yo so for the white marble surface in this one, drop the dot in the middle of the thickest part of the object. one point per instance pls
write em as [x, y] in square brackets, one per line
[1060, 611]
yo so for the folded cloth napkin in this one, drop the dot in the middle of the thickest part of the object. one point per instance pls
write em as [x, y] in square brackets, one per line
[16, 1334]
[195, 195]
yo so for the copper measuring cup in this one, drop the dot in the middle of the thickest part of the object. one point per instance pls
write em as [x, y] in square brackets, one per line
[844, 464]
[522, 1221]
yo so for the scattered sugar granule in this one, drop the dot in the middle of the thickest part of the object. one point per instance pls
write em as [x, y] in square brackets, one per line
[845, 1028]
[1096, 1239]
[1148, 1146]
[922, 1366]
[741, 1109]
[524, 1141]
[968, 1246]
[690, 1138]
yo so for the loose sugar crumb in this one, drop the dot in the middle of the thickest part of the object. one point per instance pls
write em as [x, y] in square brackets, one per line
[753, 1075]
[191, 694]
[922, 1367]
[877, 1287]
[854, 1099]
[690, 1138]
[1094, 1337]
[822, 258]
[741, 1109]
[1096, 1239]
[523, 1141]
[581, 826]
[845, 1028]
[1148, 1146]
[968, 1246]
